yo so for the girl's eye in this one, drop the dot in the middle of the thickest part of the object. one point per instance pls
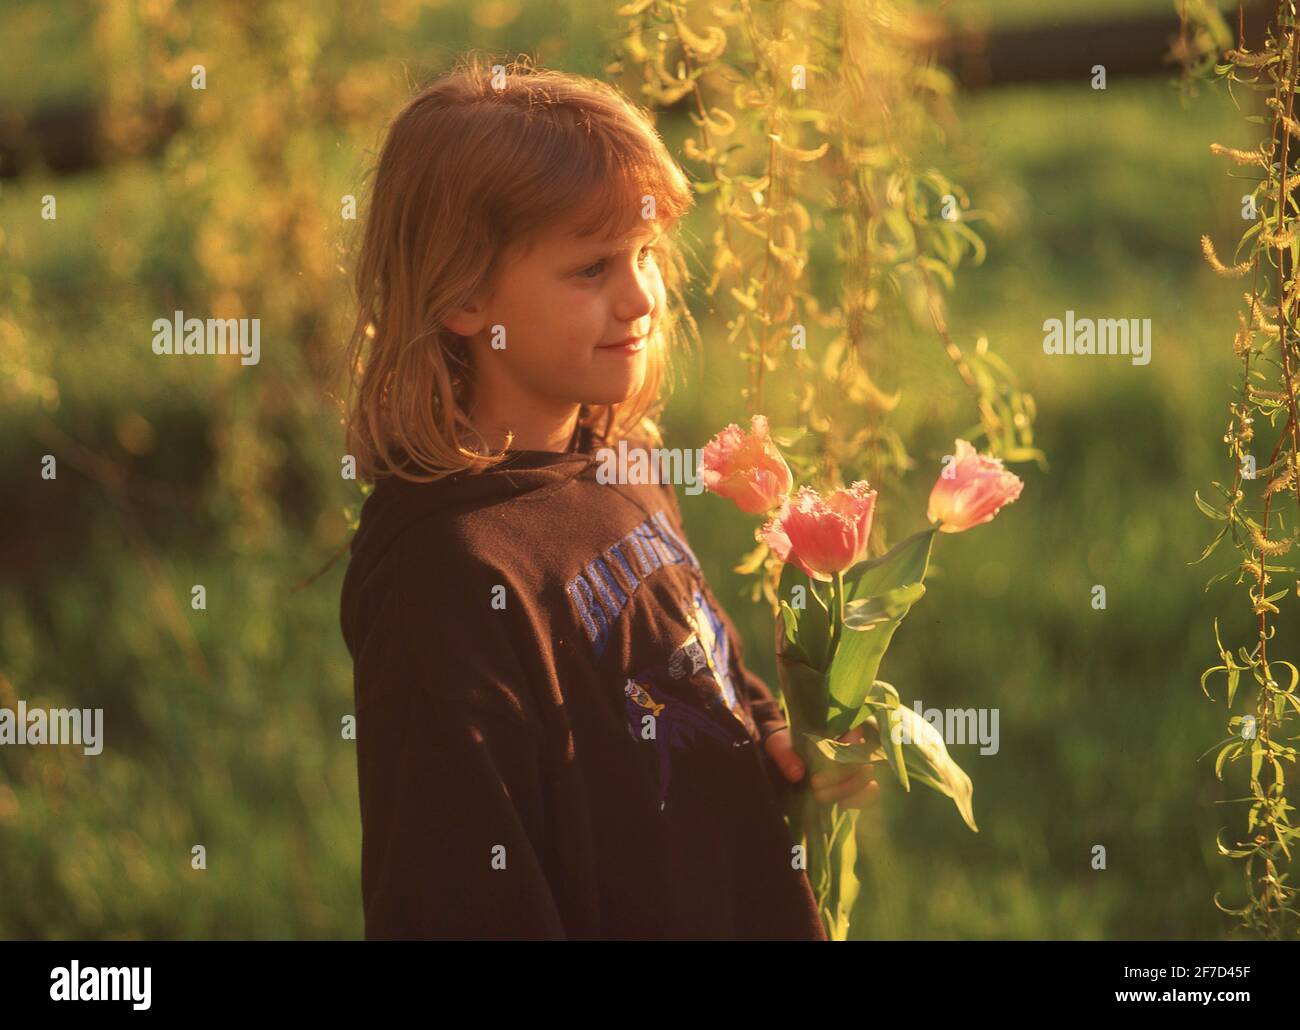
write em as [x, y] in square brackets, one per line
[646, 252]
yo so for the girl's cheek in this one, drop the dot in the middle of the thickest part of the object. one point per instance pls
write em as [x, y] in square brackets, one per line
[579, 295]
[587, 306]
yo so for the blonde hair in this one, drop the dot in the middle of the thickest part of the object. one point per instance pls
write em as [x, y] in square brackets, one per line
[466, 172]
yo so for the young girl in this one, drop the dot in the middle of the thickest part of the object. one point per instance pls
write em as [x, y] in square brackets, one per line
[556, 736]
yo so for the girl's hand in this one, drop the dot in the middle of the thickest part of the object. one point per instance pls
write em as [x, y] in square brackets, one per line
[849, 786]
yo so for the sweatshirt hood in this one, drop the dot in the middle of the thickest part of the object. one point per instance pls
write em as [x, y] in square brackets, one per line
[396, 504]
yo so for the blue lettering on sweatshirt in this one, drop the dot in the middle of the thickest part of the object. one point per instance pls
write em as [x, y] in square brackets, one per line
[597, 594]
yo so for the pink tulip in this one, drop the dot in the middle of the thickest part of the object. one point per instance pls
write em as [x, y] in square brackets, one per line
[746, 468]
[971, 490]
[824, 536]
[775, 537]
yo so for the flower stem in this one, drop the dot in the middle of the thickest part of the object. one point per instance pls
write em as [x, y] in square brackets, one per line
[837, 616]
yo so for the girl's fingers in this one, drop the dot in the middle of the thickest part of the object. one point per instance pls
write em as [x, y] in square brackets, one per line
[844, 780]
[831, 774]
[858, 779]
[780, 747]
[833, 777]
[854, 736]
[855, 793]
[862, 798]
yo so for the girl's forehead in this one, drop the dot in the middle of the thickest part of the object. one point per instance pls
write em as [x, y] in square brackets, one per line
[565, 240]
[568, 235]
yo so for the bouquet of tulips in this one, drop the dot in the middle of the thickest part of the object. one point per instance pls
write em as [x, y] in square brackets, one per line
[829, 646]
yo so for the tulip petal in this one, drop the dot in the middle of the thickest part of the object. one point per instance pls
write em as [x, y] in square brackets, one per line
[746, 467]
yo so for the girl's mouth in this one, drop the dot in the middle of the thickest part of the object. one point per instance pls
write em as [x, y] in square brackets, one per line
[626, 347]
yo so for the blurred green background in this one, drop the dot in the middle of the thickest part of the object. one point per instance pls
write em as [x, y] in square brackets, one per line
[223, 726]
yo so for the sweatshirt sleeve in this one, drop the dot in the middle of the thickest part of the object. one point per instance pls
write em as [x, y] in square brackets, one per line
[448, 761]
[768, 717]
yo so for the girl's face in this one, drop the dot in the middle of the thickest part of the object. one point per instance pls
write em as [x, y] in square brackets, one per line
[555, 312]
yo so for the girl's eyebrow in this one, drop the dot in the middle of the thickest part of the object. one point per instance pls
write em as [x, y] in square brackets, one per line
[601, 250]
[612, 246]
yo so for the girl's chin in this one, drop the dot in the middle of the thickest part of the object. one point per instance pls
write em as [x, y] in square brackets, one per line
[610, 386]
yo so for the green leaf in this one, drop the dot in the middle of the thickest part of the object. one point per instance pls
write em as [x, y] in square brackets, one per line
[1252, 231]
[857, 658]
[882, 695]
[1206, 675]
[1229, 852]
[1209, 548]
[803, 688]
[744, 299]
[1215, 579]
[1277, 830]
[905, 562]
[840, 751]
[1018, 454]
[848, 887]
[888, 725]
[810, 630]
[901, 229]
[939, 269]
[789, 626]
[1295, 673]
[870, 612]
[980, 251]
[1223, 756]
[926, 760]
[1218, 516]
[882, 698]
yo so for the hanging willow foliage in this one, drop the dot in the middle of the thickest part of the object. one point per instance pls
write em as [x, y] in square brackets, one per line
[809, 117]
[1252, 509]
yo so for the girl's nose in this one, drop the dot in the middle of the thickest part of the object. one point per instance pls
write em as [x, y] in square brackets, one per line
[641, 296]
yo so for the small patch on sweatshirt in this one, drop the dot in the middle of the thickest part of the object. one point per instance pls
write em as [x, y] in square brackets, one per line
[671, 705]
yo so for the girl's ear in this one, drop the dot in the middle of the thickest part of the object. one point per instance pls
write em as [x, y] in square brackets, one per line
[467, 320]
[471, 318]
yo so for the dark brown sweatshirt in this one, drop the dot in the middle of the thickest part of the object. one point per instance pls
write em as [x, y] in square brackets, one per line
[556, 736]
